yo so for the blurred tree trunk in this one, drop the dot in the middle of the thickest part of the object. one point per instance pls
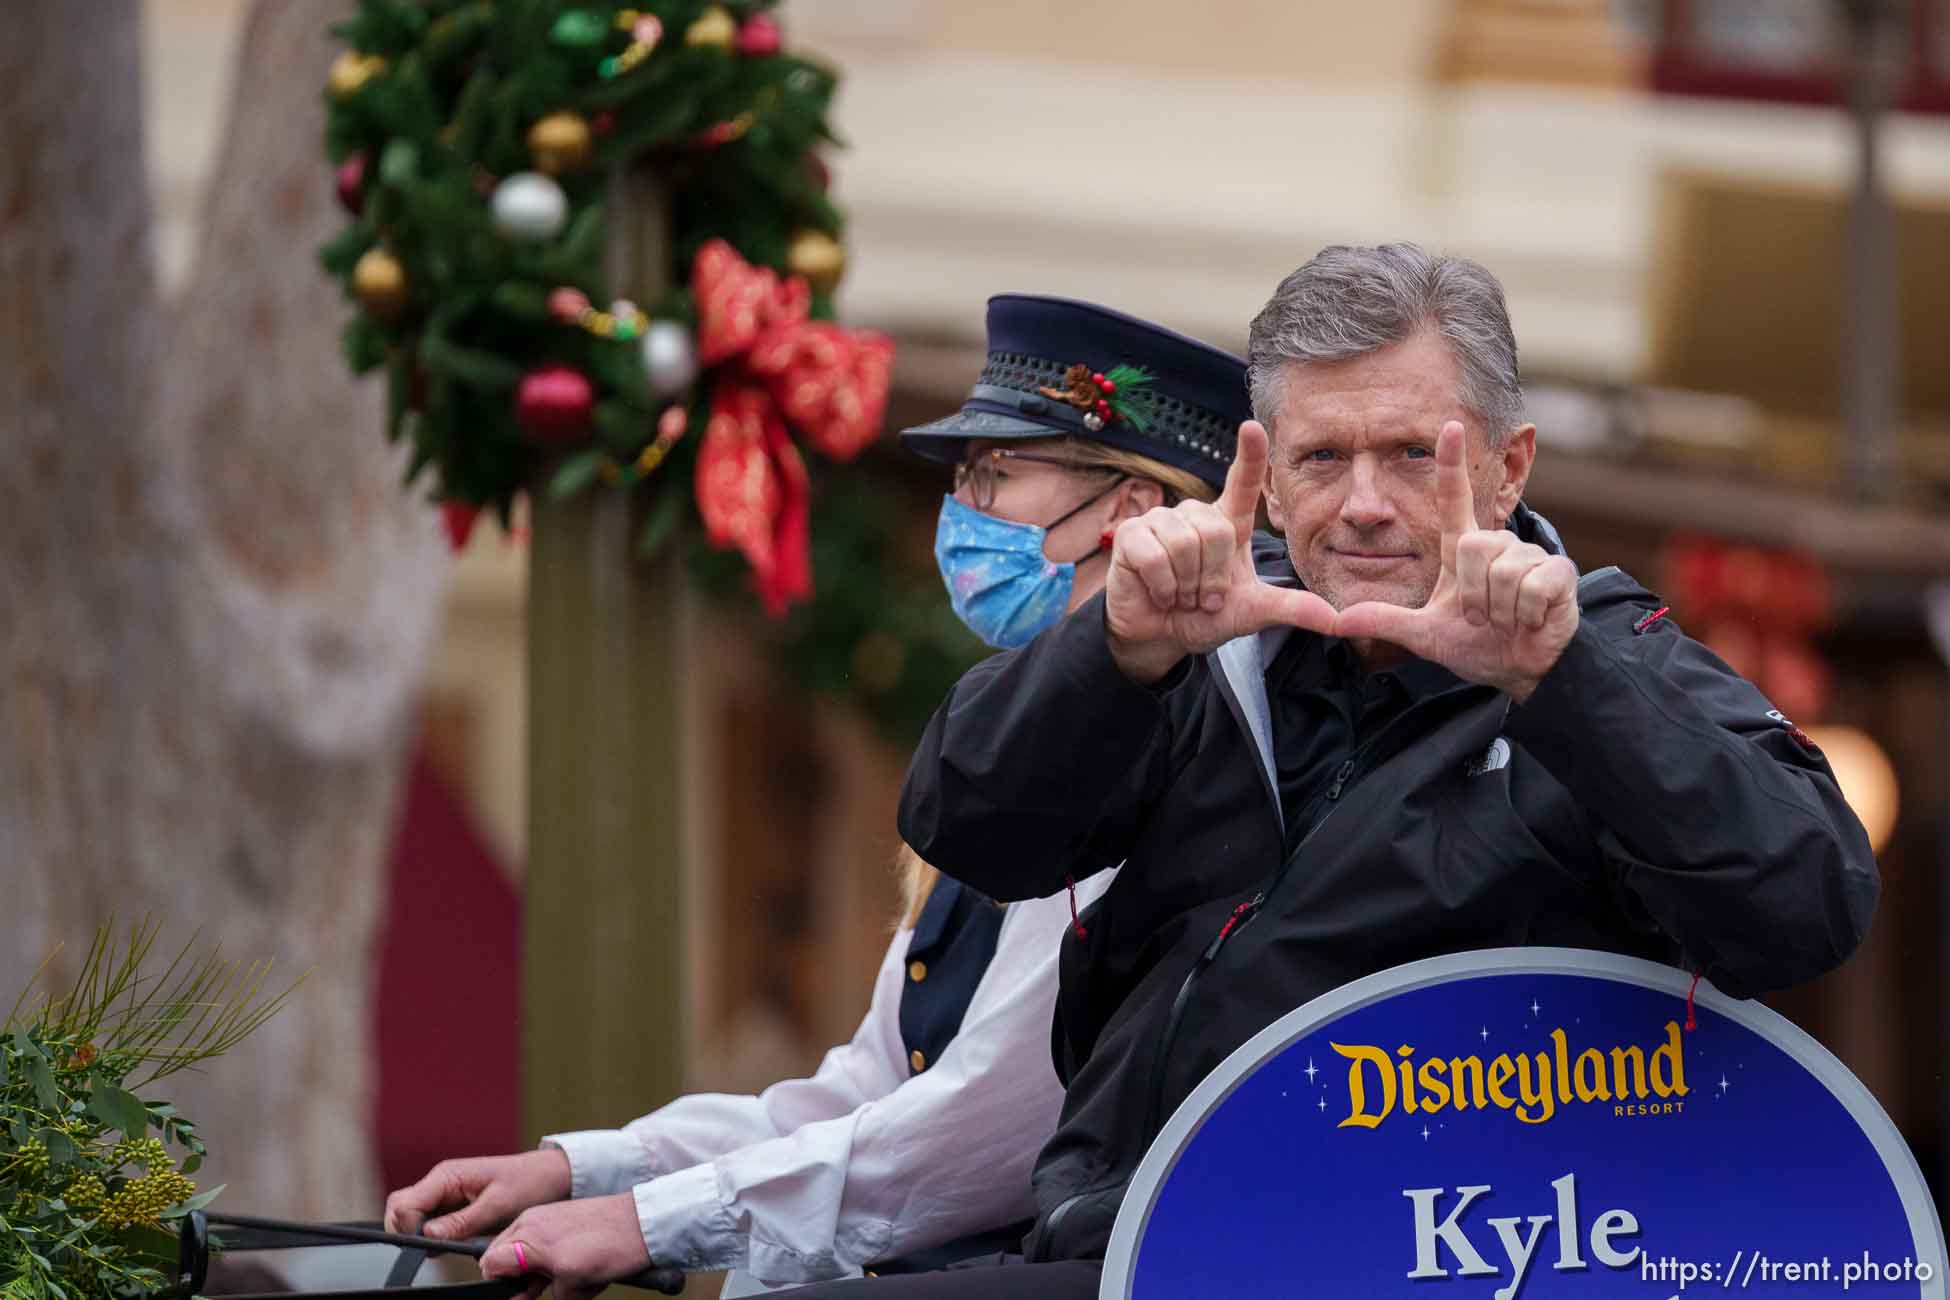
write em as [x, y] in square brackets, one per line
[215, 601]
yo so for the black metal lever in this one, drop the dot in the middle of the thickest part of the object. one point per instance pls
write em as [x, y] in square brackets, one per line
[193, 1246]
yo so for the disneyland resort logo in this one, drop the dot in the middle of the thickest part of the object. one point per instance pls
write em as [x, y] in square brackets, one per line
[1631, 1079]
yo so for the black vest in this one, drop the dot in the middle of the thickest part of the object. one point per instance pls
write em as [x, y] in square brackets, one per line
[953, 943]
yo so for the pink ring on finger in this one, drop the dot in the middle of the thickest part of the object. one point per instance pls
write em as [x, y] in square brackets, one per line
[521, 1257]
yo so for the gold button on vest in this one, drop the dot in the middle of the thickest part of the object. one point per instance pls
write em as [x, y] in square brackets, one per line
[917, 971]
[918, 1061]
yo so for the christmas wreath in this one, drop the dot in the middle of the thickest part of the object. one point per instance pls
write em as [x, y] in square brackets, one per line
[474, 141]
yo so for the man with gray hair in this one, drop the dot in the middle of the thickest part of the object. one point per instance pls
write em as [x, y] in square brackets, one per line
[1404, 728]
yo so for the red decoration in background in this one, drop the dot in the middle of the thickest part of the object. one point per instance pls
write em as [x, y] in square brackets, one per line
[759, 36]
[554, 403]
[459, 517]
[752, 487]
[567, 305]
[1778, 589]
[1758, 610]
[831, 382]
[753, 493]
[351, 184]
[738, 302]
[447, 1062]
[1687, 60]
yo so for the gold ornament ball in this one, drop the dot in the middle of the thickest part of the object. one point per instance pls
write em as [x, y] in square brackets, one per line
[715, 27]
[379, 282]
[817, 256]
[351, 71]
[560, 143]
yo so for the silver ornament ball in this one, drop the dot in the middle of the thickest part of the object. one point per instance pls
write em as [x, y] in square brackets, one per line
[669, 357]
[530, 206]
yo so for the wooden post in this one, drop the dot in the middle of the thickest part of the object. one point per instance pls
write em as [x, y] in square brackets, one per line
[1869, 379]
[602, 1027]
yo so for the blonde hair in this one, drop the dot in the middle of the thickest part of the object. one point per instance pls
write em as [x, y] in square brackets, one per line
[1179, 484]
[917, 880]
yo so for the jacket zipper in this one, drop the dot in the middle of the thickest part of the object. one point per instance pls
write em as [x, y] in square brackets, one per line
[1236, 922]
[1240, 915]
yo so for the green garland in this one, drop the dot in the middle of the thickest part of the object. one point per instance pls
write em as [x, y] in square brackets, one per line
[437, 102]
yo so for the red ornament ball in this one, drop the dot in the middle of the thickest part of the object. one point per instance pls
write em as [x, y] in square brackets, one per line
[1103, 408]
[759, 37]
[1097, 379]
[1109, 387]
[553, 405]
[567, 305]
[352, 184]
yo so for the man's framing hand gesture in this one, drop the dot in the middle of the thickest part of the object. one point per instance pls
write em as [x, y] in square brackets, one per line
[1182, 582]
[1502, 610]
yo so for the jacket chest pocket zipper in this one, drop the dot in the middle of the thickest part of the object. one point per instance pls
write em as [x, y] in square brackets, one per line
[1340, 781]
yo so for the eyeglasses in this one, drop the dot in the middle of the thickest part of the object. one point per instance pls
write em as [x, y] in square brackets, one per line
[981, 470]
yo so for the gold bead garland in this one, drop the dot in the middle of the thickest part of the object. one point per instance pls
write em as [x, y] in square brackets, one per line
[624, 320]
[646, 31]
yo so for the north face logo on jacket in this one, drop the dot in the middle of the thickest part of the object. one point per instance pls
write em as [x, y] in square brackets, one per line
[1497, 755]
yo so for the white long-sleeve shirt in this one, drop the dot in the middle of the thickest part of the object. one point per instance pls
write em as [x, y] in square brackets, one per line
[815, 1178]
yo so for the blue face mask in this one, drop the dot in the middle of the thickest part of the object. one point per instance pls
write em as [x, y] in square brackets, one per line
[999, 581]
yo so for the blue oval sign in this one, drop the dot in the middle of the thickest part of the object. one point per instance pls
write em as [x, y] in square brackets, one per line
[1533, 1122]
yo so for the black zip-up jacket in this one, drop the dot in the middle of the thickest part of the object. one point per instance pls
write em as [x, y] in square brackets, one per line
[1646, 800]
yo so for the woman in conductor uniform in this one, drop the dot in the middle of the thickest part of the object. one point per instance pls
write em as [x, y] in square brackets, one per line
[910, 1148]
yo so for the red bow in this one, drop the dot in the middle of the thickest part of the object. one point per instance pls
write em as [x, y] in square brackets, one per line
[752, 492]
[752, 487]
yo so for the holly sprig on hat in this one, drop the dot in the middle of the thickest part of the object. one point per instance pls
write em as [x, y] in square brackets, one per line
[1121, 394]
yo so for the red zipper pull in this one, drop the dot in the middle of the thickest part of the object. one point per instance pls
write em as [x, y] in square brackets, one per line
[1239, 914]
[1233, 920]
[1082, 933]
[1692, 1022]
